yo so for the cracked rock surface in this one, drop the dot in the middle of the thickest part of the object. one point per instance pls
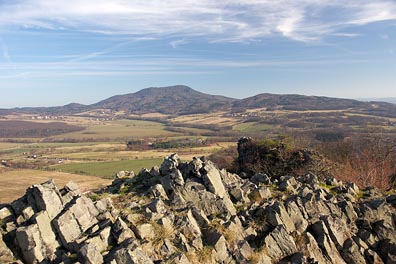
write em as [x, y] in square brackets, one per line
[192, 212]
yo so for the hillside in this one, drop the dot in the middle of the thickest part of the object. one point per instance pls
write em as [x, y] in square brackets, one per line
[182, 100]
[298, 102]
[174, 100]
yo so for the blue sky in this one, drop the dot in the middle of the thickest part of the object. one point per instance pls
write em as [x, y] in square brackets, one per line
[61, 51]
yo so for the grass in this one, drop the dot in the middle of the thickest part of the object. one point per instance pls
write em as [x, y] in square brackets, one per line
[6, 145]
[251, 127]
[15, 182]
[120, 129]
[107, 170]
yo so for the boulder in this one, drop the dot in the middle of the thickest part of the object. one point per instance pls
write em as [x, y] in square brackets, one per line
[45, 197]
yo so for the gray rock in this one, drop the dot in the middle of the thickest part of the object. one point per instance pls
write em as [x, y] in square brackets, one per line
[121, 174]
[324, 241]
[47, 234]
[29, 242]
[158, 191]
[351, 252]
[169, 164]
[277, 215]
[6, 255]
[279, 244]
[145, 231]
[5, 215]
[90, 255]
[157, 206]
[121, 231]
[46, 197]
[194, 167]
[287, 183]
[128, 256]
[212, 180]
[67, 228]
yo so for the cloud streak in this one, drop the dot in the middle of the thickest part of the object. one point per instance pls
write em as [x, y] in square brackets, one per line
[220, 20]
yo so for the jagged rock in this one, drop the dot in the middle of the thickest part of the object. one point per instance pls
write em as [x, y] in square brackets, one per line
[244, 251]
[205, 201]
[324, 241]
[372, 257]
[277, 215]
[48, 237]
[212, 180]
[121, 231]
[302, 221]
[155, 171]
[158, 191]
[6, 255]
[68, 228]
[229, 179]
[29, 241]
[351, 252]
[5, 215]
[220, 247]
[279, 244]
[261, 178]
[288, 183]
[157, 206]
[145, 231]
[70, 190]
[103, 238]
[173, 179]
[297, 215]
[46, 197]
[179, 259]
[121, 174]
[194, 167]
[89, 254]
[127, 256]
[260, 194]
[170, 164]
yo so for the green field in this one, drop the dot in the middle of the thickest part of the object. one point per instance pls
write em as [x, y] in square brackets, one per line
[6, 145]
[120, 129]
[107, 170]
[251, 127]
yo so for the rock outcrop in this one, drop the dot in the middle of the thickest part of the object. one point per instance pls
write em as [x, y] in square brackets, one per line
[195, 213]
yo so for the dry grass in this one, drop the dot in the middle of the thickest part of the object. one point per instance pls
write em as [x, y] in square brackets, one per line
[119, 129]
[15, 182]
[161, 234]
[206, 119]
[203, 255]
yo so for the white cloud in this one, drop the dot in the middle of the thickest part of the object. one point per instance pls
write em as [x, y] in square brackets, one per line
[178, 42]
[220, 20]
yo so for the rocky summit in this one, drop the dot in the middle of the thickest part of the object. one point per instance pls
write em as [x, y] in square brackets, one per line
[192, 212]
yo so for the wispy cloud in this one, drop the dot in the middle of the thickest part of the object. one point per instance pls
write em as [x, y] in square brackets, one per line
[178, 42]
[220, 20]
[156, 66]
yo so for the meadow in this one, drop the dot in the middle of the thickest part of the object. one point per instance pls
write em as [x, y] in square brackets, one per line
[107, 170]
[14, 182]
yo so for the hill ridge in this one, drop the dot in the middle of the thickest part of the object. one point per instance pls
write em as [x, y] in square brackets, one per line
[182, 100]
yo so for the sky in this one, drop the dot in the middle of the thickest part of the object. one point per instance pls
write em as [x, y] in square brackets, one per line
[62, 51]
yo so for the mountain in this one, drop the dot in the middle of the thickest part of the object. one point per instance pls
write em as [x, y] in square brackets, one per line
[298, 102]
[181, 100]
[391, 100]
[177, 99]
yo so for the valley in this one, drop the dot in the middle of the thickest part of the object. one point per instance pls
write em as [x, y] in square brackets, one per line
[138, 130]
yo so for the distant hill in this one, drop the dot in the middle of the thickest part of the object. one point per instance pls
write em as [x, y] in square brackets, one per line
[181, 100]
[297, 102]
[167, 100]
